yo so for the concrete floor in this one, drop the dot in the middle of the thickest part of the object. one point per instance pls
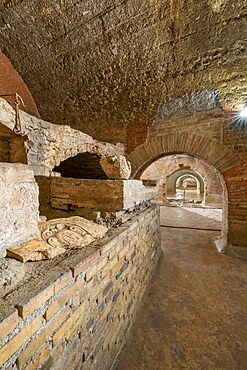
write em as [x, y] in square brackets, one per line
[194, 312]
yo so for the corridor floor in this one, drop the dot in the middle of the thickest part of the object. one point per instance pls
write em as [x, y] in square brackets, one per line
[194, 312]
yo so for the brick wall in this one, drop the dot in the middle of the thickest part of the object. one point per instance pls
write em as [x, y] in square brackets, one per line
[235, 134]
[80, 319]
[11, 82]
[209, 123]
[230, 166]
[136, 135]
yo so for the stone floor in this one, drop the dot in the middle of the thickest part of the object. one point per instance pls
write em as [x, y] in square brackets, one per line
[190, 217]
[194, 313]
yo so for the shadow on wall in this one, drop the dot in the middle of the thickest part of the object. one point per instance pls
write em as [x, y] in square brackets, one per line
[82, 166]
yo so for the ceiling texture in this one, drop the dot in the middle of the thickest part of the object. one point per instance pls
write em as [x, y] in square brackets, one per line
[99, 65]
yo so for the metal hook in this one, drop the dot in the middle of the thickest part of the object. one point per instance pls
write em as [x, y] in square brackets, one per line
[18, 100]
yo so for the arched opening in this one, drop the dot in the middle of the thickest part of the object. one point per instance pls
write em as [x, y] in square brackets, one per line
[82, 166]
[189, 187]
[226, 164]
[167, 170]
[186, 186]
[12, 149]
[183, 187]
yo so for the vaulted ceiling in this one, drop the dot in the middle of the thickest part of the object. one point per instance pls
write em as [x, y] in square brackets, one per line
[98, 65]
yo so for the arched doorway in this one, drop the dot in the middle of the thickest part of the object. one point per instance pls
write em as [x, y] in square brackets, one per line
[166, 170]
[227, 164]
[185, 185]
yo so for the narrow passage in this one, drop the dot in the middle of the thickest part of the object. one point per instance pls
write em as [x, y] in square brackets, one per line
[194, 312]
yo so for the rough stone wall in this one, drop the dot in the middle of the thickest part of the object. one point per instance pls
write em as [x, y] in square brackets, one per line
[80, 318]
[100, 66]
[19, 206]
[166, 166]
[48, 145]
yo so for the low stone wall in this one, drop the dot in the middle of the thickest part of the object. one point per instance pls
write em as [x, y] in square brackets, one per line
[19, 213]
[80, 319]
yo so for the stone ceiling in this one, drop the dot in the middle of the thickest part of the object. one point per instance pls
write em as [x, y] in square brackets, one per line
[98, 65]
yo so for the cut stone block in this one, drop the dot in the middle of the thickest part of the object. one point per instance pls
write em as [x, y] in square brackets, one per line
[56, 237]
[116, 167]
[98, 195]
[19, 205]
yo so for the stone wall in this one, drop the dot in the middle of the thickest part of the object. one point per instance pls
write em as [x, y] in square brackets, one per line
[18, 205]
[79, 315]
[47, 145]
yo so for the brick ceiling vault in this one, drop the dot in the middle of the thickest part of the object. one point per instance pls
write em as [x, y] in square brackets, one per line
[101, 65]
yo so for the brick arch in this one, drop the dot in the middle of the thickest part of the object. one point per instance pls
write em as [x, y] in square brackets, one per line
[232, 173]
[213, 152]
[177, 175]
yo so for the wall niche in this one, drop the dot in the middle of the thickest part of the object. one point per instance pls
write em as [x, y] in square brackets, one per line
[12, 149]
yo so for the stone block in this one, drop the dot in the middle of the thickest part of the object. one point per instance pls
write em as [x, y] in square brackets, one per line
[57, 236]
[99, 195]
[116, 167]
[19, 213]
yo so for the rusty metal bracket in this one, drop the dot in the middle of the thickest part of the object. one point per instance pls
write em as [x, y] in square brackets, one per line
[18, 100]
